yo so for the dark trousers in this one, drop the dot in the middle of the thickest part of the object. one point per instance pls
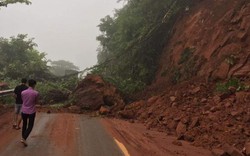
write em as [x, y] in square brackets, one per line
[28, 123]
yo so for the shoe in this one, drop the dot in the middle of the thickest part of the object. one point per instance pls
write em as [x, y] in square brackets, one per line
[24, 142]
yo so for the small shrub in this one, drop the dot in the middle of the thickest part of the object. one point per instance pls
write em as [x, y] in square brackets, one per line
[7, 100]
[234, 82]
[127, 86]
[54, 92]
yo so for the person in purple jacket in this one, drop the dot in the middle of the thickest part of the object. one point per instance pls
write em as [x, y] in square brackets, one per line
[30, 99]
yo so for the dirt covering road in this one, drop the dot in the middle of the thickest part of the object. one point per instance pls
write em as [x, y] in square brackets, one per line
[63, 134]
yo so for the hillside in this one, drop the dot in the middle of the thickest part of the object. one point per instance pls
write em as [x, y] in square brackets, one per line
[200, 92]
[210, 44]
[211, 41]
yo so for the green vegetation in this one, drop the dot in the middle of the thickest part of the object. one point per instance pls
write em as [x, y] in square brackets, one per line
[233, 82]
[188, 66]
[19, 58]
[130, 45]
[5, 3]
[62, 67]
[132, 41]
[57, 91]
[127, 85]
[9, 100]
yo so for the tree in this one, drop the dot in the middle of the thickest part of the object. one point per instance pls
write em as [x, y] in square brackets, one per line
[62, 67]
[132, 41]
[19, 58]
[5, 3]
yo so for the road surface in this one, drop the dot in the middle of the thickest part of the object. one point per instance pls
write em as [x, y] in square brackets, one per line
[63, 134]
[60, 135]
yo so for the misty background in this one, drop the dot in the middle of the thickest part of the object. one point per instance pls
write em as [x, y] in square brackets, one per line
[64, 30]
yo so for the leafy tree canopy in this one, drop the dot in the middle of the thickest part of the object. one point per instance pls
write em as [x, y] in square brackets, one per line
[132, 41]
[5, 3]
[62, 67]
[19, 58]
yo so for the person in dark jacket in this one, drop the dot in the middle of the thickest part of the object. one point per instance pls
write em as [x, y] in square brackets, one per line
[17, 94]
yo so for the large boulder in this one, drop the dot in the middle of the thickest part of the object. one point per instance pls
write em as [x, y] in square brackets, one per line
[93, 92]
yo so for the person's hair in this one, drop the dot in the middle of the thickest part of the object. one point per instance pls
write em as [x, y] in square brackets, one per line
[24, 80]
[32, 82]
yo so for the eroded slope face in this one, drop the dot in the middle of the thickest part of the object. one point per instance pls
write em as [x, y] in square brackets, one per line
[210, 40]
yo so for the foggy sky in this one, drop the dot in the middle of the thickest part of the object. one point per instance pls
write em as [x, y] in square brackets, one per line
[63, 29]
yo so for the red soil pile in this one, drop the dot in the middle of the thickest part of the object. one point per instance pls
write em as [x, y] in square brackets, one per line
[93, 94]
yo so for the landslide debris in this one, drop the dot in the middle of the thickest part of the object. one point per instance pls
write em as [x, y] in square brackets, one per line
[94, 94]
[195, 112]
[210, 43]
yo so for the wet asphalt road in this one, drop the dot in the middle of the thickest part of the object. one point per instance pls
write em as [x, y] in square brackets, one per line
[60, 135]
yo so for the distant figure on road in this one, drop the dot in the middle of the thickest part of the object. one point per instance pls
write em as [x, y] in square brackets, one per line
[30, 99]
[17, 94]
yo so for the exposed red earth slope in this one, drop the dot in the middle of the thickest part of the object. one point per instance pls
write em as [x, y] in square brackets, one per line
[210, 43]
[210, 40]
